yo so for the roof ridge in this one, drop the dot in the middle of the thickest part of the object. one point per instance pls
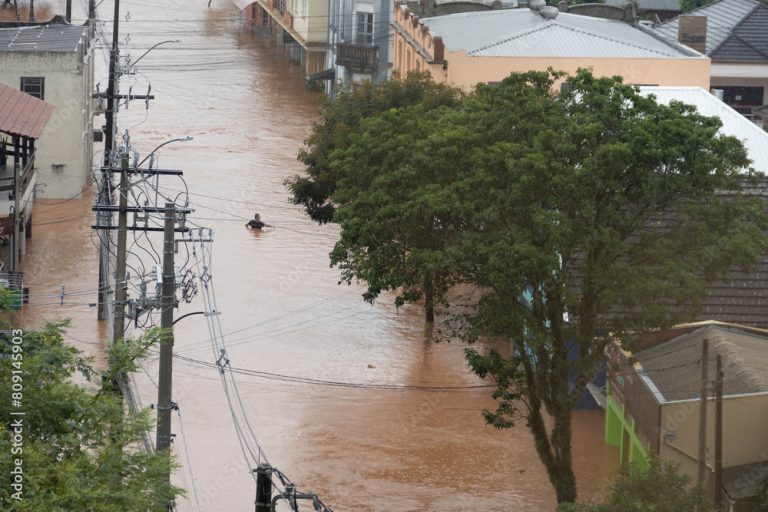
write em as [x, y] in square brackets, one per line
[553, 23]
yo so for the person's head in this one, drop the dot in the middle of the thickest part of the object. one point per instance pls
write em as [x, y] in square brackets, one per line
[257, 217]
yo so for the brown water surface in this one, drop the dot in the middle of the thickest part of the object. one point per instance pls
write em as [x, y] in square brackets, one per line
[248, 111]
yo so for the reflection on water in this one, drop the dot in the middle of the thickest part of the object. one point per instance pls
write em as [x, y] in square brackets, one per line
[360, 449]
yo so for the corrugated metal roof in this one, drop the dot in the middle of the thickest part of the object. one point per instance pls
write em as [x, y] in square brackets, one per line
[722, 18]
[675, 368]
[242, 4]
[45, 38]
[649, 5]
[22, 114]
[524, 33]
[754, 138]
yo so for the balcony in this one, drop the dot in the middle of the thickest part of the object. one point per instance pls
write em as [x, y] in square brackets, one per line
[359, 58]
[25, 177]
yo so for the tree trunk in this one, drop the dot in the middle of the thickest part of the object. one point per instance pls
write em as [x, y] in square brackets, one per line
[429, 305]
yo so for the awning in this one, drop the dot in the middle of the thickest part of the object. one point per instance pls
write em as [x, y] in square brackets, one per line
[328, 74]
[242, 4]
[745, 481]
[22, 114]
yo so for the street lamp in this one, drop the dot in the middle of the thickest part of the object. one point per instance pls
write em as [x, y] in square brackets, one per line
[181, 139]
[150, 49]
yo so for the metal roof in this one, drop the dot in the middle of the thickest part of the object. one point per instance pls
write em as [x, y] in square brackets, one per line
[44, 38]
[674, 366]
[22, 114]
[722, 18]
[525, 33]
[649, 5]
[735, 124]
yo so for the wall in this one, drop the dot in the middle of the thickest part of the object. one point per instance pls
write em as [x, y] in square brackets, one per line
[745, 423]
[466, 71]
[67, 138]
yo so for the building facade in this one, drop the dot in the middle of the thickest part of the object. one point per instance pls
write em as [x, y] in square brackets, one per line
[469, 48]
[55, 63]
[300, 26]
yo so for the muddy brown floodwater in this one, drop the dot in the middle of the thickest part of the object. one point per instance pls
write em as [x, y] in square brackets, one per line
[360, 449]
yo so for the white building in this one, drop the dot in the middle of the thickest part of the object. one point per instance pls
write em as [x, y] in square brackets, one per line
[55, 63]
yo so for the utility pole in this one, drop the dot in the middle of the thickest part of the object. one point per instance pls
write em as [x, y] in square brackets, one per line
[167, 303]
[69, 11]
[121, 286]
[263, 488]
[719, 435]
[31, 11]
[703, 411]
[105, 191]
[91, 9]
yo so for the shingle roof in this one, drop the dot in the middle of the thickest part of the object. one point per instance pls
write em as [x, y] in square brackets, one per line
[723, 18]
[650, 5]
[749, 40]
[45, 38]
[524, 33]
[674, 367]
[22, 114]
[735, 124]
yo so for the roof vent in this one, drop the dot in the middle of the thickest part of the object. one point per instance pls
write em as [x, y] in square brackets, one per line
[536, 5]
[549, 12]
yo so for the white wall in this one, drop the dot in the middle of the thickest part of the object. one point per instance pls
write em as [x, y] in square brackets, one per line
[67, 138]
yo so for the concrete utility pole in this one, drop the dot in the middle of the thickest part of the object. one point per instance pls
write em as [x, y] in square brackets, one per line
[167, 303]
[719, 435]
[105, 192]
[703, 411]
[263, 488]
[69, 11]
[121, 286]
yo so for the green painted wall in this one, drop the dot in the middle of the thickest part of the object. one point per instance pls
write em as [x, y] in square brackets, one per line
[619, 431]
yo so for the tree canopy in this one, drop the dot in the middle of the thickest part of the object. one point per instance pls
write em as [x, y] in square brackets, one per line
[80, 448]
[581, 217]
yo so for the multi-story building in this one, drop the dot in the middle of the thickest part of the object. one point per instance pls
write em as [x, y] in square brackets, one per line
[301, 26]
[55, 63]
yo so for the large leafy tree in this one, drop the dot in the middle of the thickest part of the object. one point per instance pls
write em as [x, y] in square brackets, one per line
[363, 172]
[80, 449]
[608, 220]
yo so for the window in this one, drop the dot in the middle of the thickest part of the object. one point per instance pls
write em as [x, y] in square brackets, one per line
[743, 99]
[365, 28]
[34, 86]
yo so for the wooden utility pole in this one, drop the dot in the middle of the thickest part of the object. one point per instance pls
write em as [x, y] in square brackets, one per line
[263, 488]
[69, 11]
[719, 435]
[167, 303]
[703, 411]
[121, 286]
[31, 11]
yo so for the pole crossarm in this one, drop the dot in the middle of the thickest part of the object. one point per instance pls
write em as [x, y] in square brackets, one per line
[134, 170]
[139, 228]
[137, 209]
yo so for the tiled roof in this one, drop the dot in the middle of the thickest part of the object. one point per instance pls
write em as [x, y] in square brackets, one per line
[649, 5]
[723, 18]
[45, 38]
[749, 40]
[674, 367]
[734, 124]
[524, 33]
[22, 114]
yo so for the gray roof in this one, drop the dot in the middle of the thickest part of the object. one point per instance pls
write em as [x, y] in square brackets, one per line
[754, 138]
[649, 5]
[46, 38]
[723, 18]
[674, 367]
[524, 33]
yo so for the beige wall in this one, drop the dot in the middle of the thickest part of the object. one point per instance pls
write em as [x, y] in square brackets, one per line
[745, 423]
[67, 139]
[466, 71]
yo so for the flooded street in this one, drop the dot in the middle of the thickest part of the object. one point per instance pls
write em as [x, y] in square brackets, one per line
[358, 447]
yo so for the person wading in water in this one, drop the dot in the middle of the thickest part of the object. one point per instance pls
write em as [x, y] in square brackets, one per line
[256, 223]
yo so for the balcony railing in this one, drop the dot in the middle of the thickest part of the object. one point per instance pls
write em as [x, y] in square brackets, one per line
[359, 58]
[25, 176]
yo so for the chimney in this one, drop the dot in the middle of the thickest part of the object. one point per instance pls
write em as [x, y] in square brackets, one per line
[439, 49]
[562, 5]
[692, 32]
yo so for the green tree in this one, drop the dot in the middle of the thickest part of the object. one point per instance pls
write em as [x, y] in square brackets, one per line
[364, 173]
[80, 448]
[662, 488]
[597, 217]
